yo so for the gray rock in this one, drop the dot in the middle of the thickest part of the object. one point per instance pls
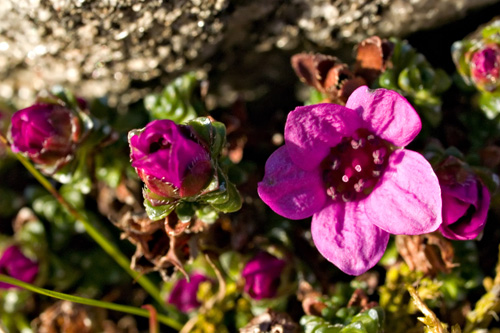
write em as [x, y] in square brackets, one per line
[126, 48]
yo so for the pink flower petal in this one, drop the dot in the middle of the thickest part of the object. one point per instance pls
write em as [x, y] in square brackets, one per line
[466, 191]
[311, 131]
[290, 191]
[345, 236]
[407, 199]
[465, 230]
[453, 209]
[387, 114]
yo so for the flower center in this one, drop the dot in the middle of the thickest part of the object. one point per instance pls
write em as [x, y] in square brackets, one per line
[355, 165]
[161, 143]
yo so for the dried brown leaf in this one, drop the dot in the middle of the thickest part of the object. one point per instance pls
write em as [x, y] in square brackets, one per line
[430, 253]
[313, 69]
[360, 299]
[372, 57]
[68, 317]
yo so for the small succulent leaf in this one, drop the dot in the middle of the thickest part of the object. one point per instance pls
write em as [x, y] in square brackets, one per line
[185, 211]
[202, 128]
[442, 81]
[158, 212]
[315, 97]
[219, 139]
[490, 104]
[387, 80]
[207, 214]
[176, 102]
[233, 203]
[404, 80]
[212, 134]
[355, 327]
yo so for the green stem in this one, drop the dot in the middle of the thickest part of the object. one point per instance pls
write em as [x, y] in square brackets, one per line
[105, 244]
[87, 301]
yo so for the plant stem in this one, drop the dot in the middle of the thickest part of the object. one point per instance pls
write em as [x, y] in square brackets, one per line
[433, 325]
[104, 243]
[87, 301]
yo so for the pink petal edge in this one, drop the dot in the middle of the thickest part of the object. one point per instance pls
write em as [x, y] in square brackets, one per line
[290, 191]
[453, 209]
[407, 199]
[387, 114]
[311, 131]
[345, 236]
[472, 229]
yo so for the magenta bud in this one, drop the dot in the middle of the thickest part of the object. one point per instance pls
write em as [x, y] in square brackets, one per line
[46, 133]
[263, 275]
[485, 67]
[15, 264]
[183, 294]
[466, 201]
[169, 161]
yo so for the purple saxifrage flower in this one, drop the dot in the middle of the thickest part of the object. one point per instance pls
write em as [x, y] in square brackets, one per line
[183, 295]
[466, 201]
[168, 161]
[46, 133]
[348, 169]
[262, 275]
[13, 263]
[485, 67]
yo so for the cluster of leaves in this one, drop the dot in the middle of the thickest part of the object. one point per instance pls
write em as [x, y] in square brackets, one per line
[416, 79]
[338, 315]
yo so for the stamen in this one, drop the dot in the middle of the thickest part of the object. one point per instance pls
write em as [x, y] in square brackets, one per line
[355, 144]
[331, 192]
[378, 156]
[359, 186]
[335, 164]
[345, 178]
[357, 168]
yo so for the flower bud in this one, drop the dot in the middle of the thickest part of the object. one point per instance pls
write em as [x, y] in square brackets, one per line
[485, 67]
[13, 263]
[183, 294]
[46, 133]
[466, 200]
[263, 275]
[168, 160]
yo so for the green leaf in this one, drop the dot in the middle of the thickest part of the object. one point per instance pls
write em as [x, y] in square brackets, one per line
[185, 211]
[404, 80]
[207, 214]
[370, 319]
[158, 212]
[315, 97]
[442, 81]
[387, 80]
[177, 101]
[311, 323]
[213, 134]
[233, 203]
[490, 104]
[357, 327]
[232, 263]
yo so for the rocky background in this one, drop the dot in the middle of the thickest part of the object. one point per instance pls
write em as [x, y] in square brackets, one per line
[124, 49]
